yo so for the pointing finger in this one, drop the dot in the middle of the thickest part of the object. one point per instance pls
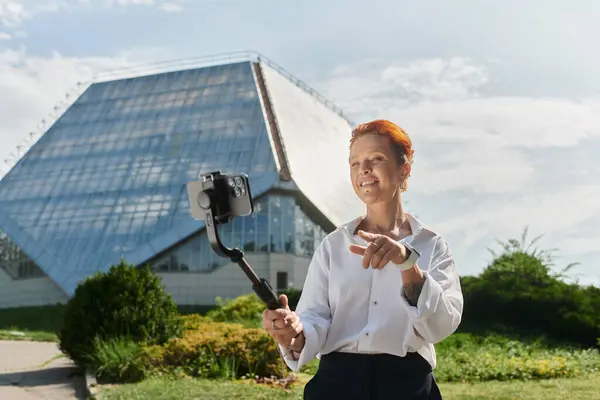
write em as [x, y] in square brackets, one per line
[356, 249]
[369, 237]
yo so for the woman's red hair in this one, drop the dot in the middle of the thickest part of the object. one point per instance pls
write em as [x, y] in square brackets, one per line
[400, 139]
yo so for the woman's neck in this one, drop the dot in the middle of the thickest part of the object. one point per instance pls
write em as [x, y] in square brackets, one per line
[384, 218]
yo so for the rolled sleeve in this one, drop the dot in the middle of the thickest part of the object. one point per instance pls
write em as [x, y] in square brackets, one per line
[313, 310]
[440, 305]
[309, 351]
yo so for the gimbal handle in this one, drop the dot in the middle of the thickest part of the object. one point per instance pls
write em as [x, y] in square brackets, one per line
[261, 286]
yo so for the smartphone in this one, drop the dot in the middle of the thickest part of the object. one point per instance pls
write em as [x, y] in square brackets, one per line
[231, 194]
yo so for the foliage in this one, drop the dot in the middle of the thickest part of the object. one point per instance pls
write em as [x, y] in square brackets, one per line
[124, 302]
[242, 309]
[218, 350]
[117, 360]
[39, 318]
[247, 309]
[518, 289]
[467, 358]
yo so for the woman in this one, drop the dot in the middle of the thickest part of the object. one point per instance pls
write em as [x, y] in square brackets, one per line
[380, 290]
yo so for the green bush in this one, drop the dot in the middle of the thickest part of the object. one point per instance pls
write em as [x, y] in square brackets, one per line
[117, 360]
[466, 358]
[123, 302]
[218, 350]
[518, 290]
[246, 309]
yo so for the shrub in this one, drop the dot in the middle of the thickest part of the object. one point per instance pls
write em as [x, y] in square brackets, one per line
[246, 309]
[518, 290]
[124, 302]
[117, 360]
[216, 349]
[466, 358]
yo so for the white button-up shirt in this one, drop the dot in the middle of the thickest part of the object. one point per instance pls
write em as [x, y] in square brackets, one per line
[347, 308]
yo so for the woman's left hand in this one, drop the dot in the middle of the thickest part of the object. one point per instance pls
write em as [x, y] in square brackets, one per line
[380, 250]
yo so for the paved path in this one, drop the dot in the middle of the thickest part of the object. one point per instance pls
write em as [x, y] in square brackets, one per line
[31, 371]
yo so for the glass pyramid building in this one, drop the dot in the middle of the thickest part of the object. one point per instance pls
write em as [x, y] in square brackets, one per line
[107, 180]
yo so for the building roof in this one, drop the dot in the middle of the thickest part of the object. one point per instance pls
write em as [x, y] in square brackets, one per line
[107, 179]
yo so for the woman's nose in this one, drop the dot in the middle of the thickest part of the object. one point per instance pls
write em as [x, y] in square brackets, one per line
[365, 169]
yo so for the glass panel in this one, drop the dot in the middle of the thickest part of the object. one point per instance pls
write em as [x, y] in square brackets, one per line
[308, 233]
[14, 262]
[276, 233]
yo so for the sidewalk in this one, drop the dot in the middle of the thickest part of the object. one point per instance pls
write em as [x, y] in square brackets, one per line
[32, 371]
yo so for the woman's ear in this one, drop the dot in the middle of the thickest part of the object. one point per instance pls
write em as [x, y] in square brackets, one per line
[406, 168]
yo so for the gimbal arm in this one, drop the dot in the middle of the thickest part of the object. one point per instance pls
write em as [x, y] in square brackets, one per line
[261, 286]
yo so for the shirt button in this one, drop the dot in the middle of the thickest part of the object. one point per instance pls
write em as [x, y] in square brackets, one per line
[375, 302]
[367, 334]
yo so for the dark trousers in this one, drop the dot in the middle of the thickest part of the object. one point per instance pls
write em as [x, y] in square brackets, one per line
[347, 376]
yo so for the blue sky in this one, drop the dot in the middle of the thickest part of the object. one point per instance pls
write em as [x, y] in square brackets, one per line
[502, 99]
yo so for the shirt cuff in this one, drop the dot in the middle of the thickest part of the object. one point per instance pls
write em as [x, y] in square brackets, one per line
[308, 352]
[430, 296]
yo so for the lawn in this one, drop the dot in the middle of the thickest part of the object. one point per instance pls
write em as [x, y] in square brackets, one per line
[15, 333]
[585, 387]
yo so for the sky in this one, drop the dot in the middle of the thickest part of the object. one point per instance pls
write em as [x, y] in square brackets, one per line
[501, 99]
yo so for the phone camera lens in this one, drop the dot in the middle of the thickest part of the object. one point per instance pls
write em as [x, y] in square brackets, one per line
[238, 181]
[238, 192]
[242, 191]
[231, 182]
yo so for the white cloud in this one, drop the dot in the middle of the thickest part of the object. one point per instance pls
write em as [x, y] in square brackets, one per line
[166, 5]
[14, 12]
[5, 36]
[555, 213]
[171, 7]
[31, 86]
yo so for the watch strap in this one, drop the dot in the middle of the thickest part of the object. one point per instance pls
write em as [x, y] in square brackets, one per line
[411, 260]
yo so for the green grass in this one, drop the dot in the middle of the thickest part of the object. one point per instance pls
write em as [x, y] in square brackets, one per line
[584, 388]
[20, 334]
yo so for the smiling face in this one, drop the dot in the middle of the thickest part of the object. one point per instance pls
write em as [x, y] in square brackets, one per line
[375, 169]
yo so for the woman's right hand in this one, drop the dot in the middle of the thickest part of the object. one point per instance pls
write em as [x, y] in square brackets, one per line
[282, 324]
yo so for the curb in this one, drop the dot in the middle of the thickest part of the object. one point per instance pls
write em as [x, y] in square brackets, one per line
[91, 385]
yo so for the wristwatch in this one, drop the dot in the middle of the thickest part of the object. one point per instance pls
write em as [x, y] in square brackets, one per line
[411, 260]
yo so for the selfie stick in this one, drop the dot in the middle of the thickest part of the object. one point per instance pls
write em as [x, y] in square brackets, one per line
[261, 286]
